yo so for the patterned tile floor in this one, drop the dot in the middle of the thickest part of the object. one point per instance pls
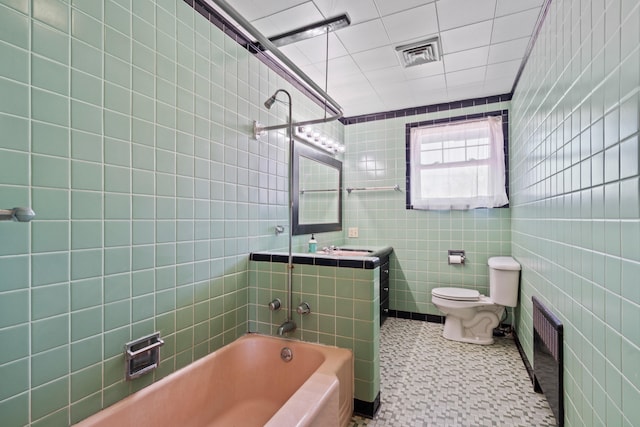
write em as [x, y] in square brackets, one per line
[427, 380]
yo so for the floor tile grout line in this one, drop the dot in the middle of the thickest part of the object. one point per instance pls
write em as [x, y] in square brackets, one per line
[432, 384]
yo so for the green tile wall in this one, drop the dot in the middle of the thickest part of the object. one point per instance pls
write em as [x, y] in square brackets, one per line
[345, 312]
[575, 201]
[376, 157]
[126, 126]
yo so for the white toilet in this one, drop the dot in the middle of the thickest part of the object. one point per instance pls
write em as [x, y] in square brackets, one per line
[471, 317]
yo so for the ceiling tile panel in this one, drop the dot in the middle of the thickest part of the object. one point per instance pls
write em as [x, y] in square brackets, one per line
[483, 45]
[468, 37]
[409, 25]
[360, 37]
[288, 19]
[316, 48]
[345, 82]
[503, 70]
[498, 86]
[358, 10]
[458, 13]
[425, 70]
[315, 73]
[387, 7]
[343, 66]
[256, 9]
[507, 7]
[429, 83]
[514, 26]
[466, 59]
[466, 77]
[296, 55]
[506, 51]
[386, 75]
[375, 59]
[469, 91]
[397, 91]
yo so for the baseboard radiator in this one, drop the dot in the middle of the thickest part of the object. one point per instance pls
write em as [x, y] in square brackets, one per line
[547, 358]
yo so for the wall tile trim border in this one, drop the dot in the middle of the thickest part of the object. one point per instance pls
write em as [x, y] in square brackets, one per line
[434, 108]
[367, 264]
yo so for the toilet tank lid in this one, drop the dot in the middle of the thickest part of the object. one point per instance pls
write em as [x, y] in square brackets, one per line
[504, 263]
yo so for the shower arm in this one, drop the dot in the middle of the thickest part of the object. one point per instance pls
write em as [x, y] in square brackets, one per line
[266, 43]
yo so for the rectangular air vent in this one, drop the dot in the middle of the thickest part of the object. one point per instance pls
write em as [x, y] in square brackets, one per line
[418, 53]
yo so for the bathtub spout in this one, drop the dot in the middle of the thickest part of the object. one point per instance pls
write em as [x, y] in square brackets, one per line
[288, 326]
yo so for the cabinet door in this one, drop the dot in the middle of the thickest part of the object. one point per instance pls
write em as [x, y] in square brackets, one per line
[384, 289]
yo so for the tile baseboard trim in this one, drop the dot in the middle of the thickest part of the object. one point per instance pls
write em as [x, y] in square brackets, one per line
[433, 318]
[366, 409]
[523, 356]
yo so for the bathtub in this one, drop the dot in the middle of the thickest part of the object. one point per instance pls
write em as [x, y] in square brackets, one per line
[245, 383]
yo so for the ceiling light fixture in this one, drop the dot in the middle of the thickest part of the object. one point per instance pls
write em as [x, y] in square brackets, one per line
[310, 31]
[314, 138]
[418, 53]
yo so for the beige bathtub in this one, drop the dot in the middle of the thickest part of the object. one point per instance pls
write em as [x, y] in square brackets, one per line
[245, 383]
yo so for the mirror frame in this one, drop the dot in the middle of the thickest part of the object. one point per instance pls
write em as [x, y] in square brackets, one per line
[302, 150]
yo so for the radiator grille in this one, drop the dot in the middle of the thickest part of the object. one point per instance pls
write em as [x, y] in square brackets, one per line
[547, 358]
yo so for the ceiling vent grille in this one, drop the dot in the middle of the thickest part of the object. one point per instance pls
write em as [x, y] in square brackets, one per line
[419, 53]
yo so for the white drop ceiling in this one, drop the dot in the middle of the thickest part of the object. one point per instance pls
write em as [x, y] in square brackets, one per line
[483, 46]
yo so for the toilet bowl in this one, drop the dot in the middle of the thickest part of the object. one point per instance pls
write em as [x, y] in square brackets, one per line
[470, 316]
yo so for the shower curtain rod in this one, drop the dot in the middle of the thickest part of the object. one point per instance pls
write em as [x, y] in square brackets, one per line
[266, 43]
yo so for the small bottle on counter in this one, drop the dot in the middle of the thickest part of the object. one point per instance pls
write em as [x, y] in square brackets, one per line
[313, 244]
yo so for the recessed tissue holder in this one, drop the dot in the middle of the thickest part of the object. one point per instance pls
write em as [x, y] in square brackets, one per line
[142, 355]
[455, 256]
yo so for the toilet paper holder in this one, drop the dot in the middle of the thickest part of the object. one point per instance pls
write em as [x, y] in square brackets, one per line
[455, 256]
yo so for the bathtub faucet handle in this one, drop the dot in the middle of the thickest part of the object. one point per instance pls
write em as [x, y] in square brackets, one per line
[275, 305]
[304, 308]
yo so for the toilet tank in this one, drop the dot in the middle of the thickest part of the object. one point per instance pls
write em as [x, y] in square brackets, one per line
[504, 277]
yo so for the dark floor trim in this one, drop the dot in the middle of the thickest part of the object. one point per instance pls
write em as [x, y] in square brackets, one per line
[416, 316]
[366, 409]
[523, 356]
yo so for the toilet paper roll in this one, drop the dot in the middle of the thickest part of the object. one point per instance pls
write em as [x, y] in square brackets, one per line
[455, 259]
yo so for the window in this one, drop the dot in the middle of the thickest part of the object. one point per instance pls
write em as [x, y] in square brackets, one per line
[457, 165]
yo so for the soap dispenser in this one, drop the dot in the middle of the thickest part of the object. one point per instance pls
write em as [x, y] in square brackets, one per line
[313, 244]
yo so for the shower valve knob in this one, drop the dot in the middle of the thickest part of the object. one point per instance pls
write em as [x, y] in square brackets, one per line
[275, 304]
[303, 308]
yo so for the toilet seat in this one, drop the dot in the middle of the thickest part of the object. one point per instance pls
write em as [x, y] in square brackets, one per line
[456, 294]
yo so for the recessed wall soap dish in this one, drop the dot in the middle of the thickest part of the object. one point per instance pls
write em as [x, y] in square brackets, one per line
[142, 355]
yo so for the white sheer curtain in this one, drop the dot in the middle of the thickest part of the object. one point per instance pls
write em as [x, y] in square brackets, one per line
[458, 165]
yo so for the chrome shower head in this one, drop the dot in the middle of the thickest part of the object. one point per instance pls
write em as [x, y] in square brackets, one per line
[269, 102]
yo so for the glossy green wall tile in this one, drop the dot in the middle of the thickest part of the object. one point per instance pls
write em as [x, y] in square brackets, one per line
[575, 201]
[420, 239]
[338, 317]
[110, 145]
[15, 27]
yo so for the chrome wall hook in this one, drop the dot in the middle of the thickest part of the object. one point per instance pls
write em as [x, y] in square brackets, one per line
[17, 214]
